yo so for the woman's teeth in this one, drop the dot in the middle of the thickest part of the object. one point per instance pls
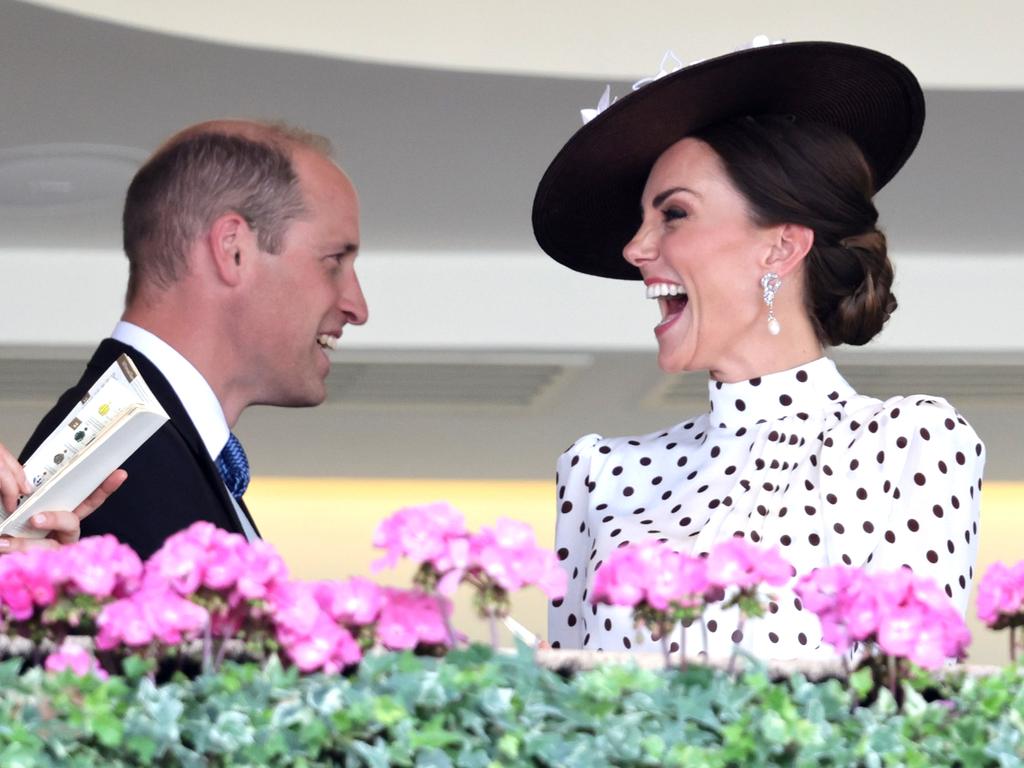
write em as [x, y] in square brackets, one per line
[657, 290]
[327, 341]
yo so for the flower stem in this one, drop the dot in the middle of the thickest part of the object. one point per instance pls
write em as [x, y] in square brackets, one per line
[492, 621]
[447, 621]
[893, 676]
[682, 647]
[704, 636]
[664, 650]
[222, 652]
[208, 647]
[736, 646]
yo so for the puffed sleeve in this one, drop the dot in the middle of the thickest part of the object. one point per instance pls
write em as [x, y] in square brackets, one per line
[936, 495]
[573, 541]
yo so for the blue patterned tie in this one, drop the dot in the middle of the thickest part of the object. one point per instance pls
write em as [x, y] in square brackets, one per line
[234, 467]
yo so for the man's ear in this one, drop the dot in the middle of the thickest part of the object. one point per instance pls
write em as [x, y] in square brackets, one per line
[228, 239]
[791, 245]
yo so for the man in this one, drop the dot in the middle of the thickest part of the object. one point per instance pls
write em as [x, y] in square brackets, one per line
[241, 240]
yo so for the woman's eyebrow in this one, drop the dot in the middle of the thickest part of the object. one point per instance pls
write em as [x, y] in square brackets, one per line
[661, 197]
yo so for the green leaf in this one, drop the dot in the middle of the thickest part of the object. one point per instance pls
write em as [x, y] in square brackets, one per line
[108, 729]
[862, 682]
[135, 667]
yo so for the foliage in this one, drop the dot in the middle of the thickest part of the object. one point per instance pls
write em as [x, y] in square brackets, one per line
[478, 709]
[322, 696]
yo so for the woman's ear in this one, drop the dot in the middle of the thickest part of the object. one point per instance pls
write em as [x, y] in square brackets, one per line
[792, 244]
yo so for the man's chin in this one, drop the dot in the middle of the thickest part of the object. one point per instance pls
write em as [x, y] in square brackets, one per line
[305, 399]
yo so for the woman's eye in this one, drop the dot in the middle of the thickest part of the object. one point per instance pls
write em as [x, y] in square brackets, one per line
[672, 213]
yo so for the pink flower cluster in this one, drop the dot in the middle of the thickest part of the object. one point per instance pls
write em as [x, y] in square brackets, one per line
[907, 616]
[152, 616]
[205, 557]
[654, 575]
[432, 534]
[401, 619]
[410, 618]
[202, 577]
[309, 635]
[76, 658]
[435, 537]
[510, 557]
[206, 583]
[1001, 596]
[99, 567]
[205, 579]
[354, 603]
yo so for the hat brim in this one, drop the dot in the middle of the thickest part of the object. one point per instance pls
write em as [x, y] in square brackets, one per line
[587, 205]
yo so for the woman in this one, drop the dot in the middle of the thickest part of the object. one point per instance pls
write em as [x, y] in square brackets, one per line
[754, 174]
[62, 526]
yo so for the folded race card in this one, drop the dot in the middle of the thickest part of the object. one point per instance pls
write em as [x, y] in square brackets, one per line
[116, 416]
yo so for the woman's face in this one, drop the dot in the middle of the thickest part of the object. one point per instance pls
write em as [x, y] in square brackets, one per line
[702, 258]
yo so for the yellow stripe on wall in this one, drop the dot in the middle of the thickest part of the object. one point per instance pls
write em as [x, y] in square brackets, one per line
[324, 529]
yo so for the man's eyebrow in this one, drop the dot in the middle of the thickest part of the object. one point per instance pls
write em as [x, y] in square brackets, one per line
[661, 197]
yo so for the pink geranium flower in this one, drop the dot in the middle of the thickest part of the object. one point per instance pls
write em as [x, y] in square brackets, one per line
[738, 563]
[908, 617]
[153, 616]
[355, 602]
[431, 533]
[1001, 594]
[308, 634]
[509, 555]
[652, 574]
[326, 648]
[101, 566]
[37, 586]
[410, 618]
[495, 561]
[622, 578]
[221, 571]
[76, 658]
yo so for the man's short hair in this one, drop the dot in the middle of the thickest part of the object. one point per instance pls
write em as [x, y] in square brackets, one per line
[201, 174]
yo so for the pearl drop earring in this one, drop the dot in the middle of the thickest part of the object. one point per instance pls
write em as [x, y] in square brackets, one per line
[770, 284]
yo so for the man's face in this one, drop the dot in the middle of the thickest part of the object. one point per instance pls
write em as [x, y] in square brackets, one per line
[302, 297]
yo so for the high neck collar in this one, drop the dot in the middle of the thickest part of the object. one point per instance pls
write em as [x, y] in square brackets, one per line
[806, 389]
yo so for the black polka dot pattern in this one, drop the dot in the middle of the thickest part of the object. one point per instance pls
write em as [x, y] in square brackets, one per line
[866, 483]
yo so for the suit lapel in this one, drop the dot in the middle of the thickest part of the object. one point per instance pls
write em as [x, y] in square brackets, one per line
[108, 351]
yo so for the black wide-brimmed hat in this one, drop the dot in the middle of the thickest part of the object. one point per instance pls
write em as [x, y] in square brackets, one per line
[587, 204]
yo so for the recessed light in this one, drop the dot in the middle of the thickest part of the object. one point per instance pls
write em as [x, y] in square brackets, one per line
[65, 175]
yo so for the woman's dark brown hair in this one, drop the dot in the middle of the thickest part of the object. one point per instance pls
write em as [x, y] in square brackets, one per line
[815, 176]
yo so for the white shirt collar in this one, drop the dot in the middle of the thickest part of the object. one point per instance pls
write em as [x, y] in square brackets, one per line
[192, 389]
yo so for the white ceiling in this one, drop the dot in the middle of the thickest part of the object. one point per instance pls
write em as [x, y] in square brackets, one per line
[443, 160]
[967, 45]
[446, 163]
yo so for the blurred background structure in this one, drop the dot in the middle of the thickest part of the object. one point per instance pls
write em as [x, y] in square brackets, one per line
[483, 359]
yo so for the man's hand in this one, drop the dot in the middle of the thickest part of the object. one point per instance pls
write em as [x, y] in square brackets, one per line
[64, 527]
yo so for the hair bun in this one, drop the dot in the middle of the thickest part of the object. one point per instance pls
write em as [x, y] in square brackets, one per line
[872, 240]
[861, 289]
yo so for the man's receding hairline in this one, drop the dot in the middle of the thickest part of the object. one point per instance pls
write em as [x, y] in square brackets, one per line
[278, 134]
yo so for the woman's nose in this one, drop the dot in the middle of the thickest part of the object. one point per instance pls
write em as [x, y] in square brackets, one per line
[641, 248]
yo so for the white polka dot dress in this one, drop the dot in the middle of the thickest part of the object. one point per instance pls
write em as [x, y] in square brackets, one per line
[796, 460]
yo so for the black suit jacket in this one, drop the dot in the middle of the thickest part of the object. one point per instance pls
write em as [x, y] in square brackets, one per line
[172, 482]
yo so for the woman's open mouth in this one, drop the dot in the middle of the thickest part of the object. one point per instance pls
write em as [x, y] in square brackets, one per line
[672, 300]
